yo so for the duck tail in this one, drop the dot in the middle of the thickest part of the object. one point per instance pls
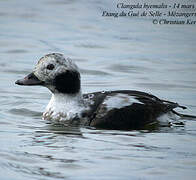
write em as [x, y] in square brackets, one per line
[191, 117]
[173, 105]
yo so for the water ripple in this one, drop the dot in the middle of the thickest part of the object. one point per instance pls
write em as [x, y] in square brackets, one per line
[25, 112]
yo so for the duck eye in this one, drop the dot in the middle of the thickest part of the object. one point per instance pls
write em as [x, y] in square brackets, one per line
[50, 66]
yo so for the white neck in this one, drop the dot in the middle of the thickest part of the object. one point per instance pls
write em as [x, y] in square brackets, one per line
[63, 107]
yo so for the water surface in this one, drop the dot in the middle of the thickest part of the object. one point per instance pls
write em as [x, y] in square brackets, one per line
[112, 54]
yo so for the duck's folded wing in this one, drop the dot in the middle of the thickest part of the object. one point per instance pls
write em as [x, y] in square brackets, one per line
[120, 110]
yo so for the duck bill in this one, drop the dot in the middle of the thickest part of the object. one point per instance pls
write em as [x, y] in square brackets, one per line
[29, 80]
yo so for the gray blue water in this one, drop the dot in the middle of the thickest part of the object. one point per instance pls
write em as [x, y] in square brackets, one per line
[112, 53]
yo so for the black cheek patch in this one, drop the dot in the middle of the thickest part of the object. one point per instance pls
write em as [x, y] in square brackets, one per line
[68, 82]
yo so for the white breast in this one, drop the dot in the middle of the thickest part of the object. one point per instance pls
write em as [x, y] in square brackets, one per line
[63, 107]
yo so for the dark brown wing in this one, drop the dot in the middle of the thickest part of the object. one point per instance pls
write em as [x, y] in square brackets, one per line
[126, 109]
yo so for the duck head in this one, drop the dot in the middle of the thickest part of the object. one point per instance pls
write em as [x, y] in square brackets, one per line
[57, 73]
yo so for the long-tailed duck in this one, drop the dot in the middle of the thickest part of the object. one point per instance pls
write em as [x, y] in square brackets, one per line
[122, 109]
